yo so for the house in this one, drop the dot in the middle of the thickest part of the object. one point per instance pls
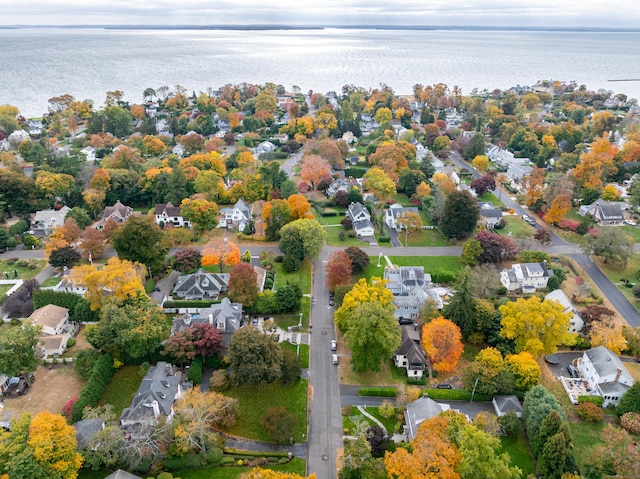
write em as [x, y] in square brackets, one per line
[394, 213]
[89, 152]
[576, 323]
[419, 411]
[35, 127]
[67, 286]
[45, 221]
[528, 276]
[608, 213]
[238, 216]
[516, 173]
[504, 404]
[450, 172]
[410, 354]
[201, 285]
[120, 474]
[18, 136]
[605, 373]
[363, 228]
[357, 212]
[169, 214]
[503, 158]
[158, 390]
[178, 150]
[225, 316]
[86, 429]
[118, 212]
[489, 215]
[265, 147]
[411, 288]
[341, 185]
[53, 319]
[5, 145]
[4, 383]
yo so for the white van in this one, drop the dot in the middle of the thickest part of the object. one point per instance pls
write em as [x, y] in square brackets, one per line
[334, 359]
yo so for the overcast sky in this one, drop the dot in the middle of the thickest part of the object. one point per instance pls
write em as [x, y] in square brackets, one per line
[540, 13]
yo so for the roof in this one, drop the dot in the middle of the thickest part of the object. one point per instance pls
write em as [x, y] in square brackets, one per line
[243, 208]
[606, 362]
[202, 283]
[490, 213]
[506, 404]
[230, 312]
[49, 315]
[356, 209]
[119, 210]
[51, 342]
[559, 296]
[120, 474]
[85, 431]
[419, 411]
[58, 216]
[167, 209]
[360, 225]
[609, 211]
[411, 348]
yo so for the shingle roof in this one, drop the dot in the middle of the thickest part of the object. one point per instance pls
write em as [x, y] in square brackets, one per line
[120, 474]
[606, 362]
[508, 403]
[202, 283]
[168, 209]
[86, 429]
[49, 315]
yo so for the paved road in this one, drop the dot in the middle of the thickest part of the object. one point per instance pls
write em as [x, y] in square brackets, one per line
[289, 164]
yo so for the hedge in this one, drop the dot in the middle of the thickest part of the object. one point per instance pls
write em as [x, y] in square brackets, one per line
[42, 297]
[455, 394]
[443, 277]
[597, 400]
[355, 172]
[151, 284]
[101, 374]
[195, 371]
[386, 392]
[384, 239]
[195, 303]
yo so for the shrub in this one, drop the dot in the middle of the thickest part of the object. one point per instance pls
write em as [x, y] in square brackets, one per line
[378, 391]
[190, 461]
[219, 381]
[214, 456]
[443, 277]
[290, 263]
[510, 423]
[195, 371]
[347, 410]
[195, 303]
[636, 290]
[590, 412]
[386, 409]
[71, 342]
[342, 235]
[15, 322]
[101, 374]
[631, 422]
[597, 400]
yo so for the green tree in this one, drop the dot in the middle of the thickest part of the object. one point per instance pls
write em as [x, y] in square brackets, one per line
[630, 401]
[202, 213]
[312, 234]
[279, 423]
[17, 350]
[67, 256]
[373, 336]
[462, 306]
[460, 215]
[254, 357]
[475, 147]
[551, 463]
[480, 457]
[17, 458]
[471, 251]
[537, 404]
[613, 244]
[140, 240]
[549, 427]
[288, 297]
[80, 215]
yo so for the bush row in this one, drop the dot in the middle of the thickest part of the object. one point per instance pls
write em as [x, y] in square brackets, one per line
[42, 297]
[101, 374]
[455, 394]
[195, 303]
[443, 277]
[387, 392]
[324, 212]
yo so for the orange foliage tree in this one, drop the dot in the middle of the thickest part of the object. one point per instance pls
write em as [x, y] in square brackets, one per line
[221, 252]
[442, 341]
[534, 186]
[597, 164]
[338, 270]
[313, 169]
[560, 206]
[300, 207]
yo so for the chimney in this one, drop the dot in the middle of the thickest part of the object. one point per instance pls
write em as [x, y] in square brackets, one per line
[156, 408]
[618, 373]
[169, 370]
[210, 318]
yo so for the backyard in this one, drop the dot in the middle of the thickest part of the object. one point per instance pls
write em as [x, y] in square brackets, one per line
[431, 264]
[301, 277]
[121, 389]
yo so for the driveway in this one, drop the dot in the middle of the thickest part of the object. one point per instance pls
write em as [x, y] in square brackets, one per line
[393, 234]
[165, 285]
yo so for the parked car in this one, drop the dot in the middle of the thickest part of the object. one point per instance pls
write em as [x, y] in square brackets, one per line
[573, 372]
[254, 321]
[331, 302]
[630, 222]
[334, 359]
[529, 220]
[405, 320]
[334, 345]
[445, 386]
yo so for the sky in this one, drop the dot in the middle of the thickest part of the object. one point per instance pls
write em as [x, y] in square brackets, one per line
[532, 13]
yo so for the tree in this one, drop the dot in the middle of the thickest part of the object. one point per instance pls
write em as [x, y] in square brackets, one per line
[608, 335]
[362, 292]
[243, 284]
[359, 259]
[117, 279]
[534, 187]
[65, 257]
[537, 404]
[288, 298]
[300, 207]
[525, 370]
[379, 183]
[92, 242]
[221, 252]
[630, 401]
[207, 340]
[537, 327]
[254, 357]
[198, 412]
[140, 241]
[551, 463]
[275, 214]
[480, 459]
[279, 423]
[17, 350]
[560, 206]
[258, 473]
[186, 260]
[54, 446]
[202, 213]
[442, 341]
[411, 222]
[338, 269]
[311, 234]
[462, 306]
[314, 169]
[20, 303]
[495, 247]
[596, 164]
[179, 346]
[616, 456]
[483, 184]
[612, 244]
[471, 252]
[460, 215]
[480, 163]
[476, 146]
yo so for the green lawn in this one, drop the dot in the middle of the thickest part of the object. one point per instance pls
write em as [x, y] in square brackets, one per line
[401, 198]
[431, 264]
[26, 269]
[517, 228]
[489, 196]
[586, 436]
[518, 449]
[616, 273]
[330, 220]
[349, 426]
[254, 400]
[304, 352]
[633, 232]
[4, 288]
[333, 238]
[122, 388]
[50, 282]
[423, 238]
[297, 466]
[302, 277]
[389, 423]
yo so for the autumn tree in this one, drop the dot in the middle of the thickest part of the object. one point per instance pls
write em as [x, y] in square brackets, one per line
[362, 292]
[461, 214]
[359, 259]
[410, 222]
[92, 242]
[613, 244]
[258, 473]
[243, 286]
[596, 164]
[279, 423]
[471, 252]
[537, 327]
[300, 207]
[202, 213]
[198, 413]
[180, 347]
[608, 335]
[617, 454]
[525, 370]
[442, 341]
[302, 238]
[560, 206]
[480, 163]
[314, 169]
[379, 183]
[55, 241]
[254, 357]
[338, 269]
[444, 183]
[220, 252]
[275, 214]
[140, 241]
[186, 259]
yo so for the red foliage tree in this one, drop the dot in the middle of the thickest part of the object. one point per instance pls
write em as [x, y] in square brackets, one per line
[338, 270]
[243, 287]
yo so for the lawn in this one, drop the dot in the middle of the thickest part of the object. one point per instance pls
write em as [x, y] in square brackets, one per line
[389, 423]
[431, 264]
[26, 268]
[121, 389]
[50, 282]
[423, 238]
[304, 352]
[616, 274]
[518, 449]
[517, 228]
[401, 198]
[488, 196]
[3, 289]
[384, 377]
[333, 238]
[586, 436]
[330, 220]
[302, 277]
[254, 400]
[297, 466]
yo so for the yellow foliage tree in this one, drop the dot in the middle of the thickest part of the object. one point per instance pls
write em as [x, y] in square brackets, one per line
[537, 327]
[54, 185]
[100, 180]
[560, 206]
[54, 445]
[596, 164]
[525, 369]
[377, 181]
[491, 358]
[480, 163]
[119, 279]
[422, 191]
[604, 334]
[300, 207]
[94, 199]
[221, 252]
[610, 193]
[55, 241]
[362, 292]
[534, 186]
[442, 341]
[442, 181]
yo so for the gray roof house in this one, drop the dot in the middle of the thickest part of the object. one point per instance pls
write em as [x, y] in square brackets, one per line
[608, 214]
[490, 216]
[86, 429]
[158, 390]
[419, 411]
[238, 216]
[576, 323]
[46, 221]
[357, 212]
[504, 404]
[527, 276]
[225, 316]
[118, 212]
[606, 374]
[410, 354]
[411, 288]
[201, 285]
[394, 213]
[169, 214]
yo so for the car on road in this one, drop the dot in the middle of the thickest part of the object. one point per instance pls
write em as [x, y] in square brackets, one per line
[331, 302]
[334, 359]
[529, 220]
[156, 290]
[254, 321]
[405, 321]
[445, 386]
[334, 345]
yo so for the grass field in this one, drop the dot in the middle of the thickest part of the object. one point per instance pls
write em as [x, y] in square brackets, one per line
[423, 238]
[586, 436]
[518, 449]
[302, 277]
[50, 282]
[254, 400]
[121, 389]
[330, 220]
[431, 264]
[488, 196]
[333, 238]
[24, 271]
[304, 352]
[517, 228]
[616, 273]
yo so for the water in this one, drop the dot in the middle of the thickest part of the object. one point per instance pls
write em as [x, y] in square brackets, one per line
[86, 63]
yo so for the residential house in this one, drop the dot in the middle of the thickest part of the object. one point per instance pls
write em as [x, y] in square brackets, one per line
[502, 158]
[4, 383]
[395, 213]
[576, 322]
[516, 173]
[605, 373]
[265, 147]
[118, 212]
[18, 136]
[348, 137]
[528, 277]
[5, 145]
[361, 219]
[67, 286]
[225, 316]
[238, 216]
[341, 185]
[45, 221]
[178, 150]
[201, 285]
[411, 288]
[282, 138]
[169, 214]
[437, 163]
[158, 390]
[504, 404]
[608, 213]
[489, 215]
[410, 354]
[467, 188]
[419, 411]
[56, 330]
[120, 474]
[35, 127]
[450, 172]
[86, 429]
[90, 153]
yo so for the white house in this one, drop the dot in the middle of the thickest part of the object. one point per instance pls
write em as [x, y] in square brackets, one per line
[361, 220]
[265, 147]
[394, 213]
[528, 276]
[35, 127]
[238, 216]
[89, 152]
[411, 288]
[56, 329]
[410, 354]
[576, 323]
[605, 373]
[605, 213]
[167, 213]
[46, 221]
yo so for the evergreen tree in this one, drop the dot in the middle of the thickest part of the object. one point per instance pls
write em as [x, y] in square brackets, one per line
[462, 307]
[460, 215]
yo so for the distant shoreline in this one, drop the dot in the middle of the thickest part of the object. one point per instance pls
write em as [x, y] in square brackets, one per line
[324, 27]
